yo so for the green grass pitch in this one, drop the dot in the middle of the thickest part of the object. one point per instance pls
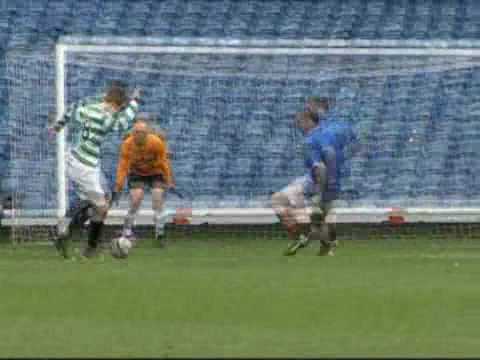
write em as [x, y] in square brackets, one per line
[242, 298]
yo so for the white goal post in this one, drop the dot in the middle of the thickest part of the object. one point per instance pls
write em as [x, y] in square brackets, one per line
[144, 45]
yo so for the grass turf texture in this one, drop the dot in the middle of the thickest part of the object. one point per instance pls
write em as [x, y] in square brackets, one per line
[242, 298]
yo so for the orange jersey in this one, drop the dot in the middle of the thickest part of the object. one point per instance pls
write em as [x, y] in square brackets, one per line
[147, 160]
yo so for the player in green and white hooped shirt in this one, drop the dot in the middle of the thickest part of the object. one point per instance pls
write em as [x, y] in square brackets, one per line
[115, 111]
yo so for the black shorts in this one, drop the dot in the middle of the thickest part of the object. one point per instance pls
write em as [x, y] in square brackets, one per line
[140, 182]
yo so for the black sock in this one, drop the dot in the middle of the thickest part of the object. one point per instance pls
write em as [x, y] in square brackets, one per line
[94, 233]
[85, 216]
[79, 213]
[332, 232]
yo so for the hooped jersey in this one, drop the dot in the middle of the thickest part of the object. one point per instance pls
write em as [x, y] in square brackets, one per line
[96, 122]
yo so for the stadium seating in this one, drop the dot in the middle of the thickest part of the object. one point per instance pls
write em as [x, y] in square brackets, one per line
[411, 154]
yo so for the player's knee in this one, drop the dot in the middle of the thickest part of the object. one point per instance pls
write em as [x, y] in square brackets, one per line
[102, 210]
[136, 195]
[157, 193]
[135, 205]
[100, 213]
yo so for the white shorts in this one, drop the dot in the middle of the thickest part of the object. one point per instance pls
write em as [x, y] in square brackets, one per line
[295, 193]
[89, 182]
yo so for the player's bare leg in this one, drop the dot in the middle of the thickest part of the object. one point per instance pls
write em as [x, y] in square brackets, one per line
[136, 198]
[302, 238]
[293, 220]
[158, 219]
[281, 207]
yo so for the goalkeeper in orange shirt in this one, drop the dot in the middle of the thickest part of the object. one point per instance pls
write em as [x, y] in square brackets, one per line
[144, 159]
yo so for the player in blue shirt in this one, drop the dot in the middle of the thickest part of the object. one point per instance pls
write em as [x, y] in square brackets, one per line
[325, 141]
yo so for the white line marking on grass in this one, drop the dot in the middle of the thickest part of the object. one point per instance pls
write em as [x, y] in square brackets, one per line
[443, 256]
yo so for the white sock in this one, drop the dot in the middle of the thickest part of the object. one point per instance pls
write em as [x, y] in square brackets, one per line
[159, 220]
[128, 223]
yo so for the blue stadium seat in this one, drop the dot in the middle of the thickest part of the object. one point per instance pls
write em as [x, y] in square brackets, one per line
[192, 18]
[108, 14]
[239, 17]
[268, 14]
[291, 25]
[5, 29]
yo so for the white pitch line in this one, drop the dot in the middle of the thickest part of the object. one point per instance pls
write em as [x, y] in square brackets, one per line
[442, 256]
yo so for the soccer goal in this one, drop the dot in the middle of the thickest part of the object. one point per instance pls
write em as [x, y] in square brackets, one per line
[228, 108]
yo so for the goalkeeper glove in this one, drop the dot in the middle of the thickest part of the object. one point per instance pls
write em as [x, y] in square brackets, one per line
[52, 132]
[137, 94]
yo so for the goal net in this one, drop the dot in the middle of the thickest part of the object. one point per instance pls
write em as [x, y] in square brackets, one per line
[228, 109]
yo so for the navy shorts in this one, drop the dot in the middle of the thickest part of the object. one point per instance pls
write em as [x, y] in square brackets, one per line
[151, 181]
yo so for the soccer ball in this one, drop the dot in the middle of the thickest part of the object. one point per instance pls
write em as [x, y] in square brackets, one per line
[121, 247]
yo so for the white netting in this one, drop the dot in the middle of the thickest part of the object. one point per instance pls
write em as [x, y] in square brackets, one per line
[229, 110]
[412, 111]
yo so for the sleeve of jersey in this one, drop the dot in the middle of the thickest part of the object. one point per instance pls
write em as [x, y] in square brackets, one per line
[122, 168]
[124, 120]
[87, 111]
[66, 117]
[71, 114]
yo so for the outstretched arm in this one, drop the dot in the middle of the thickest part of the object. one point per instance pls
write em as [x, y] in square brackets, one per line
[58, 121]
[123, 120]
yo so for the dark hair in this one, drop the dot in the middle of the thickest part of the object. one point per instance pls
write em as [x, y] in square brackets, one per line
[116, 95]
[310, 115]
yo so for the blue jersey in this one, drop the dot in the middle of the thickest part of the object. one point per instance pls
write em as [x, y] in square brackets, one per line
[327, 143]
